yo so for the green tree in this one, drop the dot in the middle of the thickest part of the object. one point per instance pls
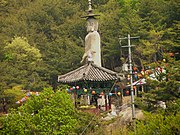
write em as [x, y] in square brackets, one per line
[158, 124]
[22, 61]
[166, 89]
[47, 113]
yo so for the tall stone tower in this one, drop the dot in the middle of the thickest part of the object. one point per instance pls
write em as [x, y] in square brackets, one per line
[92, 39]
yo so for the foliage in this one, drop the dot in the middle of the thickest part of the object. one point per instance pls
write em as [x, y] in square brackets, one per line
[47, 113]
[56, 30]
[161, 119]
[158, 124]
[21, 61]
[11, 96]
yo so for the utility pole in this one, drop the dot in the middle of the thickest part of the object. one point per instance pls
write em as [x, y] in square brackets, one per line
[131, 73]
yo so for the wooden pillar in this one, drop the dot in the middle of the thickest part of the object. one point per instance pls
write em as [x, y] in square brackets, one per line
[106, 102]
[75, 103]
[109, 98]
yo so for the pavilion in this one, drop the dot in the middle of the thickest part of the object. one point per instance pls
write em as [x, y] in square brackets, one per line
[92, 82]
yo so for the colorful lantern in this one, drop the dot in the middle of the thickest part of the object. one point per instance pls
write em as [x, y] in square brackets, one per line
[102, 93]
[18, 102]
[129, 77]
[28, 94]
[119, 93]
[85, 90]
[74, 87]
[68, 90]
[71, 88]
[110, 94]
[164, 60]
[37, 93]
[135, 68]
[136, 77]
[171, 54]
[77, 87]
[127, 92]
[23, 99]
[93, 92]
[115, 88]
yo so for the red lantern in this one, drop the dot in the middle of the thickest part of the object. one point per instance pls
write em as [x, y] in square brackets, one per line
[93, 92]
[71, 88]
[135, 68]
[171, 54]
[127, 92]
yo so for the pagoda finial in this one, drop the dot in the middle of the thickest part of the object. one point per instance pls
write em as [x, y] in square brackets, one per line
[90, 6]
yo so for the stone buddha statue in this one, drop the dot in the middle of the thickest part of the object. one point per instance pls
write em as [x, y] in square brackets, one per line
[92, 42]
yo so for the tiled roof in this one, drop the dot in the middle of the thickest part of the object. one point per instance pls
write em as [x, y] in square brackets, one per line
[90, 72]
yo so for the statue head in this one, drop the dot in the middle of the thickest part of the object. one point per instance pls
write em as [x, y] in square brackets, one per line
[92, 24]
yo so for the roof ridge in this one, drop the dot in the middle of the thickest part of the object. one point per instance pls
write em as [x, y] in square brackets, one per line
[60, 76]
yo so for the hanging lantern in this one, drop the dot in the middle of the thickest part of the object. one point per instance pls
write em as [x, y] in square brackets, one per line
[119, 93]
[93, 92]
[74, 87]
[171, 54]
[136, 77]
[71, 88]
[37, 94]
[102, 93]
[110, 94]
[77, 87]
[23, 99]
[135, 68]
[85, 90]
[18, 102]
[164, 60]
[127, 92]
[115, 88]
[28, 94]
[129, 77]
[68, 90]
[134, 87]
